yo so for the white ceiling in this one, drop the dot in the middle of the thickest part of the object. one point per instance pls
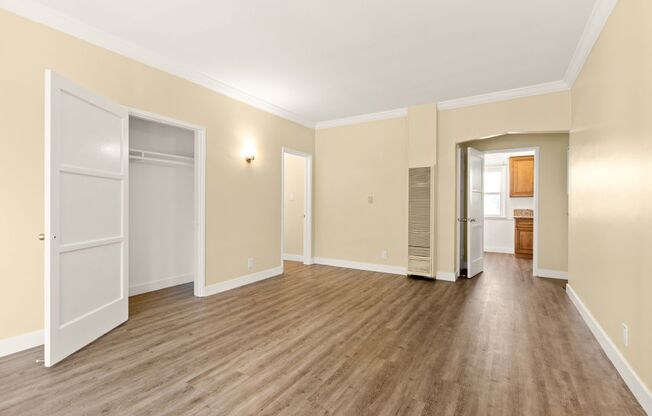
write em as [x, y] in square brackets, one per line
[329, 59]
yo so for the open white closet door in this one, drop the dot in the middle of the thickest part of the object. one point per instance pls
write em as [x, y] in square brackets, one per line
[86, 264]
[475, 212]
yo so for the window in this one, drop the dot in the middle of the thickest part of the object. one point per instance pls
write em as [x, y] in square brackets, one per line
[494, 191]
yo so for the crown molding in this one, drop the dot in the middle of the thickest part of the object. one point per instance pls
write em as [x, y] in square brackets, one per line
[537, 89]
[363, 118]
[597, 20]
[44, 15]
[39, 13]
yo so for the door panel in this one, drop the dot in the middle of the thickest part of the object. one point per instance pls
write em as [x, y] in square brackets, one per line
[86, 217]
[475, 212]
[85, 272]
[82, 119]
[476, 206]
[83, 195]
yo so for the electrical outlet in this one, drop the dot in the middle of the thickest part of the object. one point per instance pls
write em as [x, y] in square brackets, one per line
[250, 263]
[625, 334]
[384, 254]
[370, 199]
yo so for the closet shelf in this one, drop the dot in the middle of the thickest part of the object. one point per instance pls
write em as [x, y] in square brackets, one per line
[157, 157]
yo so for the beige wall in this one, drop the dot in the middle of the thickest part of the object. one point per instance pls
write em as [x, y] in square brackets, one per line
[422, 152]
[369, 159]
[242, 201]
[541, 113]
[294, 172]
[553, 199]
[611, 189]
[422, 135]
[352, 163]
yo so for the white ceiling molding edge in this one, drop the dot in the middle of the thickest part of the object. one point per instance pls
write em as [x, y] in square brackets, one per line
[594, 26]
[530, 90]
[58, 21]
[61, 22]
[597, 20]
[383, 115]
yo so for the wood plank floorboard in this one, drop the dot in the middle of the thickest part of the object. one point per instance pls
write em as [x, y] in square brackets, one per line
[322, 340]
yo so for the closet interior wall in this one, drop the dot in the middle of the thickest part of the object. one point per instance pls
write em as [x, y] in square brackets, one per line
[161, 202]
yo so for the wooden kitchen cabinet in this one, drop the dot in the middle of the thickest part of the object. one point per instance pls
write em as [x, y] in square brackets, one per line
[523, 237]
[521, 176]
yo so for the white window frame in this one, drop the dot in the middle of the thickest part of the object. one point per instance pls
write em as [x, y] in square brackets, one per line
[503, 189]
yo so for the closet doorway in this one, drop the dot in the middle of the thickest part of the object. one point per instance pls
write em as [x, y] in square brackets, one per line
[166, 203]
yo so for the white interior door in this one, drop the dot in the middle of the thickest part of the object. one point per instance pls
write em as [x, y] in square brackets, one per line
[86, 264]
[474, 212]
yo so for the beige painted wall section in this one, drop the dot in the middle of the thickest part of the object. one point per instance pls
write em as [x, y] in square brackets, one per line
[294, 171]
[422, 152]
[352, 163]
[422, 135]
[553, 199]
[541, 113]
[243, 201]
[611, 190]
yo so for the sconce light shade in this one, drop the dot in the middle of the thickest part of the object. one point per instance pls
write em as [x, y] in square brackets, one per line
[249, 152]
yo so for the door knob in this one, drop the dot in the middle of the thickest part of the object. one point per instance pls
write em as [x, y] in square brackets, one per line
[41, 236]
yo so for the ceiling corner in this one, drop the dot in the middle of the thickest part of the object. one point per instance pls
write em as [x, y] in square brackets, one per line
[597, 20]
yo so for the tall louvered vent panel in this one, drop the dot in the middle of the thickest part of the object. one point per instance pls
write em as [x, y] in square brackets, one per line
[419, 222]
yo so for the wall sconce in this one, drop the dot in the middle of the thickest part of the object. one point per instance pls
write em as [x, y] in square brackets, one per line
[249, 152]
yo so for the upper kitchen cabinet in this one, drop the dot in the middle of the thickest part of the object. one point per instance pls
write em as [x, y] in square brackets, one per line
[521, 176]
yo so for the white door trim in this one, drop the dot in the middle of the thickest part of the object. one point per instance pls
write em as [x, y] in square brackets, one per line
[458, 212]
[199, 269]
[307, 203]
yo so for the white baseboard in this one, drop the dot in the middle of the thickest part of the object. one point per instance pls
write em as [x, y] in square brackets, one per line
[293, 257]
[504, 250]
[633, 381]
[446, 276]
[160, 284]
[242, 280]
[552, 274]
[20, 342]
[372, 267]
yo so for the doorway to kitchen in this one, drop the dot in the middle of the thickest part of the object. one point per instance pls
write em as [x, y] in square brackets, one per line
[497, 205]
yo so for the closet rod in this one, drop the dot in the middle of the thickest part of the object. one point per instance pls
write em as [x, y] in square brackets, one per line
[158, 157]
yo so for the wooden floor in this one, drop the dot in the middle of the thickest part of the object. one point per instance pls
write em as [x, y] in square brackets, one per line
[321, 340]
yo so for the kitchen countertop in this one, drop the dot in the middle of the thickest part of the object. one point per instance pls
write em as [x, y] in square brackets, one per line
[523, 213]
